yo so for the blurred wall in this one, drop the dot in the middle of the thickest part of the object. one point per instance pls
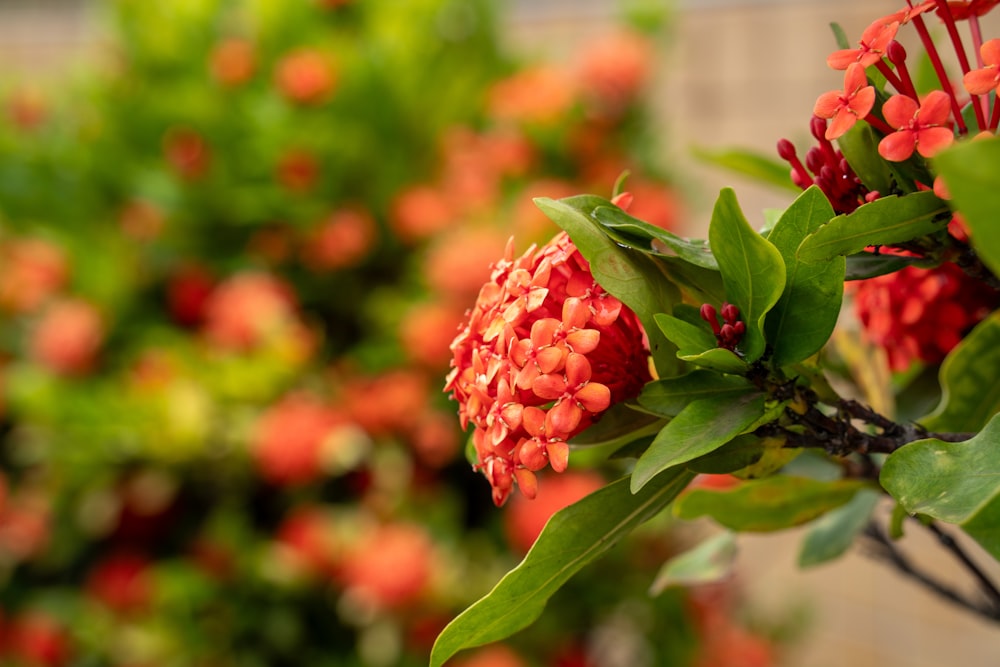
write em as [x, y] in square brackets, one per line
[735, 73]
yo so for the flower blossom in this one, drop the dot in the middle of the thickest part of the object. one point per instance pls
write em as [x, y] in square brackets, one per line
[545, 351]
[845, 107]
[920, 127]
[871, 49]
[921, 314]
[982, 81]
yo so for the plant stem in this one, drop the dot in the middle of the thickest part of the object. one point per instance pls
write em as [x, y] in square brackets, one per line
[886, 549]
[948, 542]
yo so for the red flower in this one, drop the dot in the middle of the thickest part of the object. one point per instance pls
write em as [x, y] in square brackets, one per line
[965, 9]
[922, 128]
[187, 152]
[305, 77]
[122, 581]
[232, 62]
[845, 107]
[982, 81]
[921, 314]
[546, 350]
[390, 566]
[871, 48]
[248, 309]
[290, 437]
[340, 241]
[31, 271]
[67, 338]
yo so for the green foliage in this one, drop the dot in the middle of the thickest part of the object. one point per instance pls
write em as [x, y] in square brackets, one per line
[970, 392]
[752, 269]
[573, 538]
[770, 504]
[805, 315]
[970, 173]
[882, 222]
[702, 426]
[710, 561]
[956, 482]
[833, 533]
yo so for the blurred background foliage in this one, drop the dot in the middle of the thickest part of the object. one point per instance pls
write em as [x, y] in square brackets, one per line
[233, 253]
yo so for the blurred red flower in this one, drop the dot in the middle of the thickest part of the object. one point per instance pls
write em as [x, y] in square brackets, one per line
[305, 76]
[67, 337]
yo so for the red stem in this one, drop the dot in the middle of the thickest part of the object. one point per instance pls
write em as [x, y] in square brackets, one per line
[944, 11]
[942, 75]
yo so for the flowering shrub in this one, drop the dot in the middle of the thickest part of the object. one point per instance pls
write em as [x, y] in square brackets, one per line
[232, 261]
[756, 413]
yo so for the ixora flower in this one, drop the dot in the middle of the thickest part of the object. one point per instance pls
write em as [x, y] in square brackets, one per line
[545, 351]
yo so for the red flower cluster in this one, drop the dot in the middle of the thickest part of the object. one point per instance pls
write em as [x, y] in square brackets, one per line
[546, 350]
[921, 314]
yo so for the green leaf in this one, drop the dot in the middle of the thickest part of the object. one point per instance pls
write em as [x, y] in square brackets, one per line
[737, 454]
[956, 482]
[752, 269]
[619, 425]
[971, 171]
[712, 560]
[757, 166]
[718, 359]
[832, 535]
[803, 319]
[882, 222]
[689, 338]
[773, 503]
[970, 391]
[860, 148]
[628, 275]
[646, 237]
[864, 265]
[573, 537]
[669, 396]
[701, 427]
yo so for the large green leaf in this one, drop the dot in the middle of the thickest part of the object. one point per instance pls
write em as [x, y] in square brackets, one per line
[957, 482]
[573, 537]
[833, 533]
[718, 359]
[629, 275]
[710, 561]
[701, 427]
[803, 319]
[772, 503]
[752, 269]
[689, 338]
[669, 396]
[971, 171]
[882, 222]
[860, 149]
[970, 390]
[641, 235]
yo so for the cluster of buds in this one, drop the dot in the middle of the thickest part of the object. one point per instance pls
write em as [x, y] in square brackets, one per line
[826, 167]
[730, 332]
[545, 351]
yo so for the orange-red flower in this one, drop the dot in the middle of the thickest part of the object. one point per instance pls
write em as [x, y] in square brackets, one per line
[922, 127]
[290, 437]
[67, 338]
[305, 76]
[233, 61]
[845, 107]
[545, 351]
[982, 81]
[871, 48]
[921, 314]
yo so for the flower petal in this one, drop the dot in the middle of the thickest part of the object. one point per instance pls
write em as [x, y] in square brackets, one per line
[583, 341]
[930, 140]
[897, 146]
[982, 81]
[990, 51]
[558, 455]
[899, 110]
[550, 386]
[935, 108]
[563, 418]
[527, 482]
[594, 397]
[828, 104]
[578, 369]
